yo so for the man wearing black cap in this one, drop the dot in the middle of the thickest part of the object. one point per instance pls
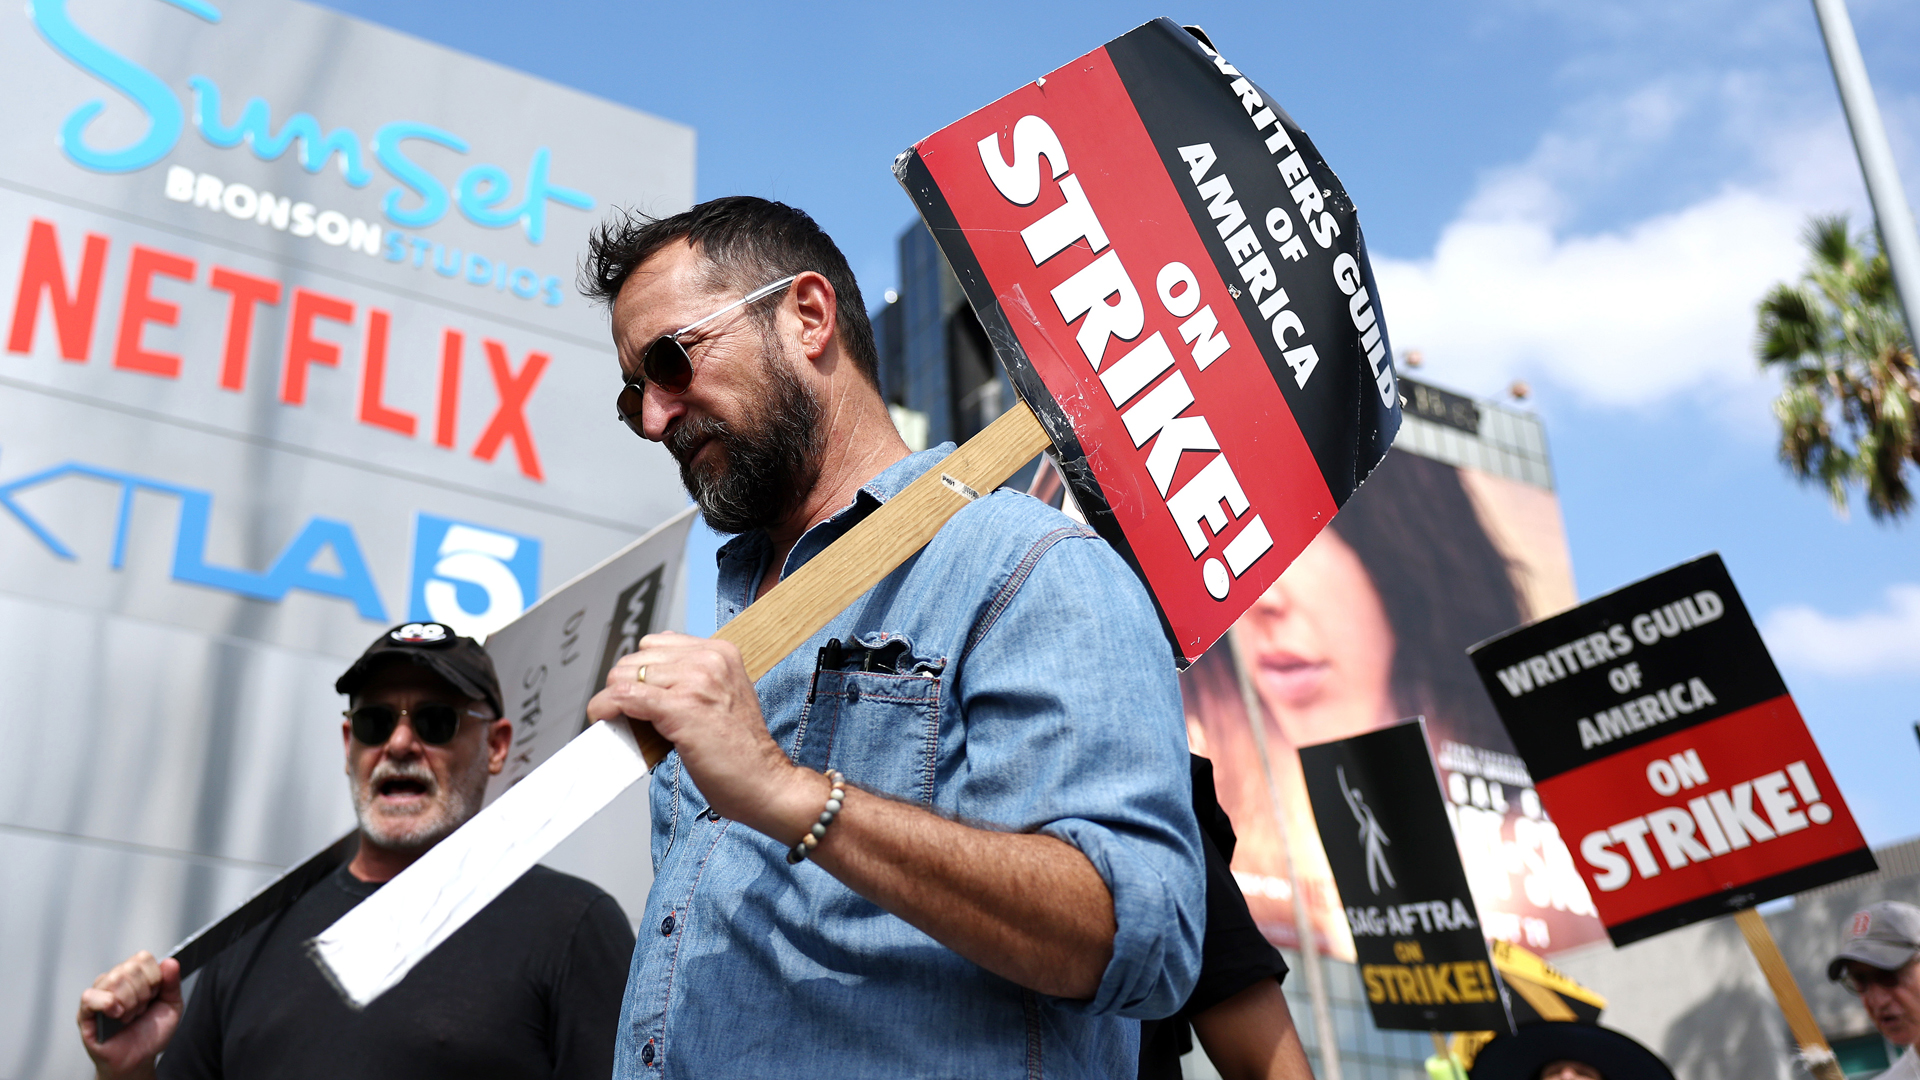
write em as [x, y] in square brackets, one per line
[1878, 964]
[529, 988]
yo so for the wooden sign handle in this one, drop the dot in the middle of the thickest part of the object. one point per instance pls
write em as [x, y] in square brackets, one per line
[795, 610]
[1806, 1031]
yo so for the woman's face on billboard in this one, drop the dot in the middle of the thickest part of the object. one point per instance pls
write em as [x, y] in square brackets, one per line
[1320, 647]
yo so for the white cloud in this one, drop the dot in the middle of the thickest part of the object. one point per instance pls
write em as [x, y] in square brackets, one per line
[1880, 642]
[1623, 317]
[1631, 313]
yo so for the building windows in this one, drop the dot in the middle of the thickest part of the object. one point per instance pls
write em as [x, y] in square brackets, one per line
[935, 359]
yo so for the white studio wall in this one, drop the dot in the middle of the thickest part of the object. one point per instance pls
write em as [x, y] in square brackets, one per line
[289, 352]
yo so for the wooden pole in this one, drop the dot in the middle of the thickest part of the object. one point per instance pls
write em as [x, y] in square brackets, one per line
[1443, 1056]
[1814, 1050]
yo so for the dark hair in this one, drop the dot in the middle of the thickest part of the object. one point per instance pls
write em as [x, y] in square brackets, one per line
[746, 242]
[1443, 584]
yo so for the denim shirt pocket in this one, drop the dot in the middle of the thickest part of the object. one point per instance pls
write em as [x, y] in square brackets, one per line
[879, 728]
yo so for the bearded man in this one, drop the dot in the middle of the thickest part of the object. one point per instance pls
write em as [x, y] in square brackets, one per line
[529, 988]
[952, 835]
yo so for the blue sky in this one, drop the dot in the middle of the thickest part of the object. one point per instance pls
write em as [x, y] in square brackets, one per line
[1589, 196]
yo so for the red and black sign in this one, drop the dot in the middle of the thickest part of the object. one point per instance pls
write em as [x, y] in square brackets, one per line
[1416, 934]
[1663, 742]
[1177, 285]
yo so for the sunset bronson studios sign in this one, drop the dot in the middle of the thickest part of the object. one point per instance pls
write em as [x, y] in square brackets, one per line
[305, 287]
[289, 354]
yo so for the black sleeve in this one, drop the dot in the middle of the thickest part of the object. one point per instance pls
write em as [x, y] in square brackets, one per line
[1234, 954]
[586, 996]
[194, 1051]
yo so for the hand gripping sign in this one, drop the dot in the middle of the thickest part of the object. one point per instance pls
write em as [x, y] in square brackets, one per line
[1383, 823]
[1667, 749]
[556, 654]
[1176, 283]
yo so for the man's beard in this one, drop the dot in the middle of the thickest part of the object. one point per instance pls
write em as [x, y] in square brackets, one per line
[767, 462]
[442, 811]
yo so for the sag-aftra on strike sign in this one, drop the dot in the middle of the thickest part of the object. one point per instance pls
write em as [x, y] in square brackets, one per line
[1664, 743]
[1383, 823]
[1177, 285]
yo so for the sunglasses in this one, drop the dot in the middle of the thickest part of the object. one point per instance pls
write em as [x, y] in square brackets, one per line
[666, 364]
[1856, 978]
[434, 724]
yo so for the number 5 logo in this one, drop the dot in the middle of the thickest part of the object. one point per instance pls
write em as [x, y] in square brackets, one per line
[471, 577]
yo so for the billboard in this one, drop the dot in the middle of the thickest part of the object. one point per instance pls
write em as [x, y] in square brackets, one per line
[1667, 744]
[1456, 536]
[289, 352]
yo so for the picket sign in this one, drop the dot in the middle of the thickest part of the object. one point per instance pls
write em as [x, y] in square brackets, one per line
[1665, 744]
[556, 654]
[1182, 299]
[1549, 992]
[1417, 938]
[1541, 992]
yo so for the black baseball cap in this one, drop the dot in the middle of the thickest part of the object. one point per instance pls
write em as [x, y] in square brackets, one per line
[434, 646]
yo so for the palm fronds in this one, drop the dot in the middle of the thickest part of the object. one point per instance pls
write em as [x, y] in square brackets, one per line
[1849, 404]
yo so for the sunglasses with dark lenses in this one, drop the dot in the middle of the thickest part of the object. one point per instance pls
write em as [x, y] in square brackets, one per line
[1856, 978]
[667, 365]
[434, 724]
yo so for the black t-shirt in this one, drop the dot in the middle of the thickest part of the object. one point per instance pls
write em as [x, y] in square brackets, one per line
[530, 987]
[1233, 955]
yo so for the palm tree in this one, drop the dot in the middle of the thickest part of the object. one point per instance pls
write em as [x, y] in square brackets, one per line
[1848, 408]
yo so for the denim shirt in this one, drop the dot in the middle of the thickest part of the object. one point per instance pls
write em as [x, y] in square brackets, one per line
[1035, 692]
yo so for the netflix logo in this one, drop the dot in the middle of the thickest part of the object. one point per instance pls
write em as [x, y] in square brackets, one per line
[63, 281]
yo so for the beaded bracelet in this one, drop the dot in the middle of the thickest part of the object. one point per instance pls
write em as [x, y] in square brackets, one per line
[812, 839]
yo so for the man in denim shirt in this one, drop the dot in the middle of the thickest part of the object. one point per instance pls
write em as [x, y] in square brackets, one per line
[1014, 874]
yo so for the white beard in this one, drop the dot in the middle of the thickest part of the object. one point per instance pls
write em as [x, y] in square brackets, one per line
[440, 812]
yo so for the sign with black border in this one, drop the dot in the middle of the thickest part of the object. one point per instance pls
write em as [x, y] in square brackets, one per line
[1416, 934]
[1663, 742]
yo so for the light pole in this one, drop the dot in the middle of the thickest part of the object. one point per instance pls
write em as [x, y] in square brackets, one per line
[1890, 210]
[1290, 834]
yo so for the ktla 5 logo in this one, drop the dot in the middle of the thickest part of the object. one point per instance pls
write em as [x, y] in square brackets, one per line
[473, 578]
